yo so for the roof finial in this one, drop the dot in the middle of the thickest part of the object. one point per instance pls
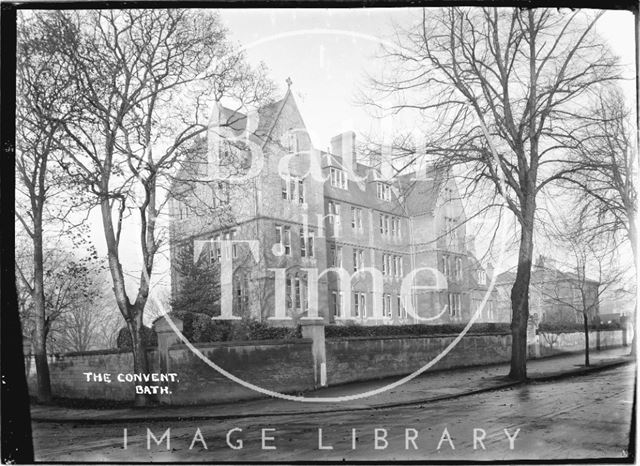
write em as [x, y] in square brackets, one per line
[289, 82]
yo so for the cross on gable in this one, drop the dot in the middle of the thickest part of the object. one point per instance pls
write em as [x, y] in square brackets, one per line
[289, 82]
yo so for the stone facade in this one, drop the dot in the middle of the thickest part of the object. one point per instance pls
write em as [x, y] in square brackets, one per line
[347, 215]
[554, 295]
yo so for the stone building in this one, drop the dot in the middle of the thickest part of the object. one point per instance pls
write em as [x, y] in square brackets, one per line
[554, 295]
[336, 236]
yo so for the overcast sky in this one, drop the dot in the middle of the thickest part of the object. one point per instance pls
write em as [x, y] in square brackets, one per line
[326, 53]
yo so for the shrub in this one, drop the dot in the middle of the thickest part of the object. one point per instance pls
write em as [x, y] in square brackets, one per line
[336, 331]
[575, 327]
[200, 328]
[149, 337]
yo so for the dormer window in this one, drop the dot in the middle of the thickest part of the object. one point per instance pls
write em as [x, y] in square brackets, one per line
[338, 178]
[482, 277]
[384, 191]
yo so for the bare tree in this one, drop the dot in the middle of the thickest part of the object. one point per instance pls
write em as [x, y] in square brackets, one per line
[72, 292]
[143, 78]
[44, 100]
[605, 158]
[591, 273]
[494, 86]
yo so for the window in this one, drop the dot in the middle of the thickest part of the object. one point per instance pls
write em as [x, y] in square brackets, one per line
[241, 291]
[293, 189]
[454, 305]
[215, 251]
[458, 265]
[278, 234]
[300, 191]
[356, 218]
[306, 244]
[384, 225]
[215, 248]
[290, 142]
[358, 259]
[445, 265]
[451, 229]
[359, 305]
[297, 292]
[391, 265]
[386, 305]
[389, 226]
[448, 194]
[383, 191]
[338, 178]
[336, 301]
[334, 212]
[396, 266]
[482, 277]
[336, 256]
[287, 241]
[283, 237]
[402, 312]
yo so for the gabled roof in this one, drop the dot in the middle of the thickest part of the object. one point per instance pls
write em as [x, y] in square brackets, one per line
[421, 195]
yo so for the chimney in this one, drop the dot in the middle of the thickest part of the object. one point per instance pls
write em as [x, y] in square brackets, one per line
[344, 145]
[489, 269]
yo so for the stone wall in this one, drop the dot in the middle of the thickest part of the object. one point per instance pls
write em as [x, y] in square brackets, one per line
[68, 379]
[551, 344]
[292, 366]
[281, 366]
[278, 365]
[361, 358]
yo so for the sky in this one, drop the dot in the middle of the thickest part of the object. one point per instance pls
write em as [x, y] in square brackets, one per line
[327, 54]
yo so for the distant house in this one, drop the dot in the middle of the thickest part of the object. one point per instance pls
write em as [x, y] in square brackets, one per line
[393, 224]
[554, 295]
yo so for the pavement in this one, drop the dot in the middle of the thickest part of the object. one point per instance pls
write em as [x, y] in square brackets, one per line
[427, 388]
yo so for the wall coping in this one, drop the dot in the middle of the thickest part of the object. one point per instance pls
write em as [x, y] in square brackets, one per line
[413, 337]
[102, 352]
[580, 332]
[218, 344]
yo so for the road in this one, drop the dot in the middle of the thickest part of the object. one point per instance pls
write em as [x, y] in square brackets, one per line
[579, 417]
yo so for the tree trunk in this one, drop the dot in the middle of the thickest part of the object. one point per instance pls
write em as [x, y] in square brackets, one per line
[40, 333]
[633, 235]
[520, 302]
[585, 320]
[139, 351]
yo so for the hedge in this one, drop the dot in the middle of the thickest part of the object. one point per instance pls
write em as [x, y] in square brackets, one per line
[575, 327]
[200, 328]
[336, 331]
